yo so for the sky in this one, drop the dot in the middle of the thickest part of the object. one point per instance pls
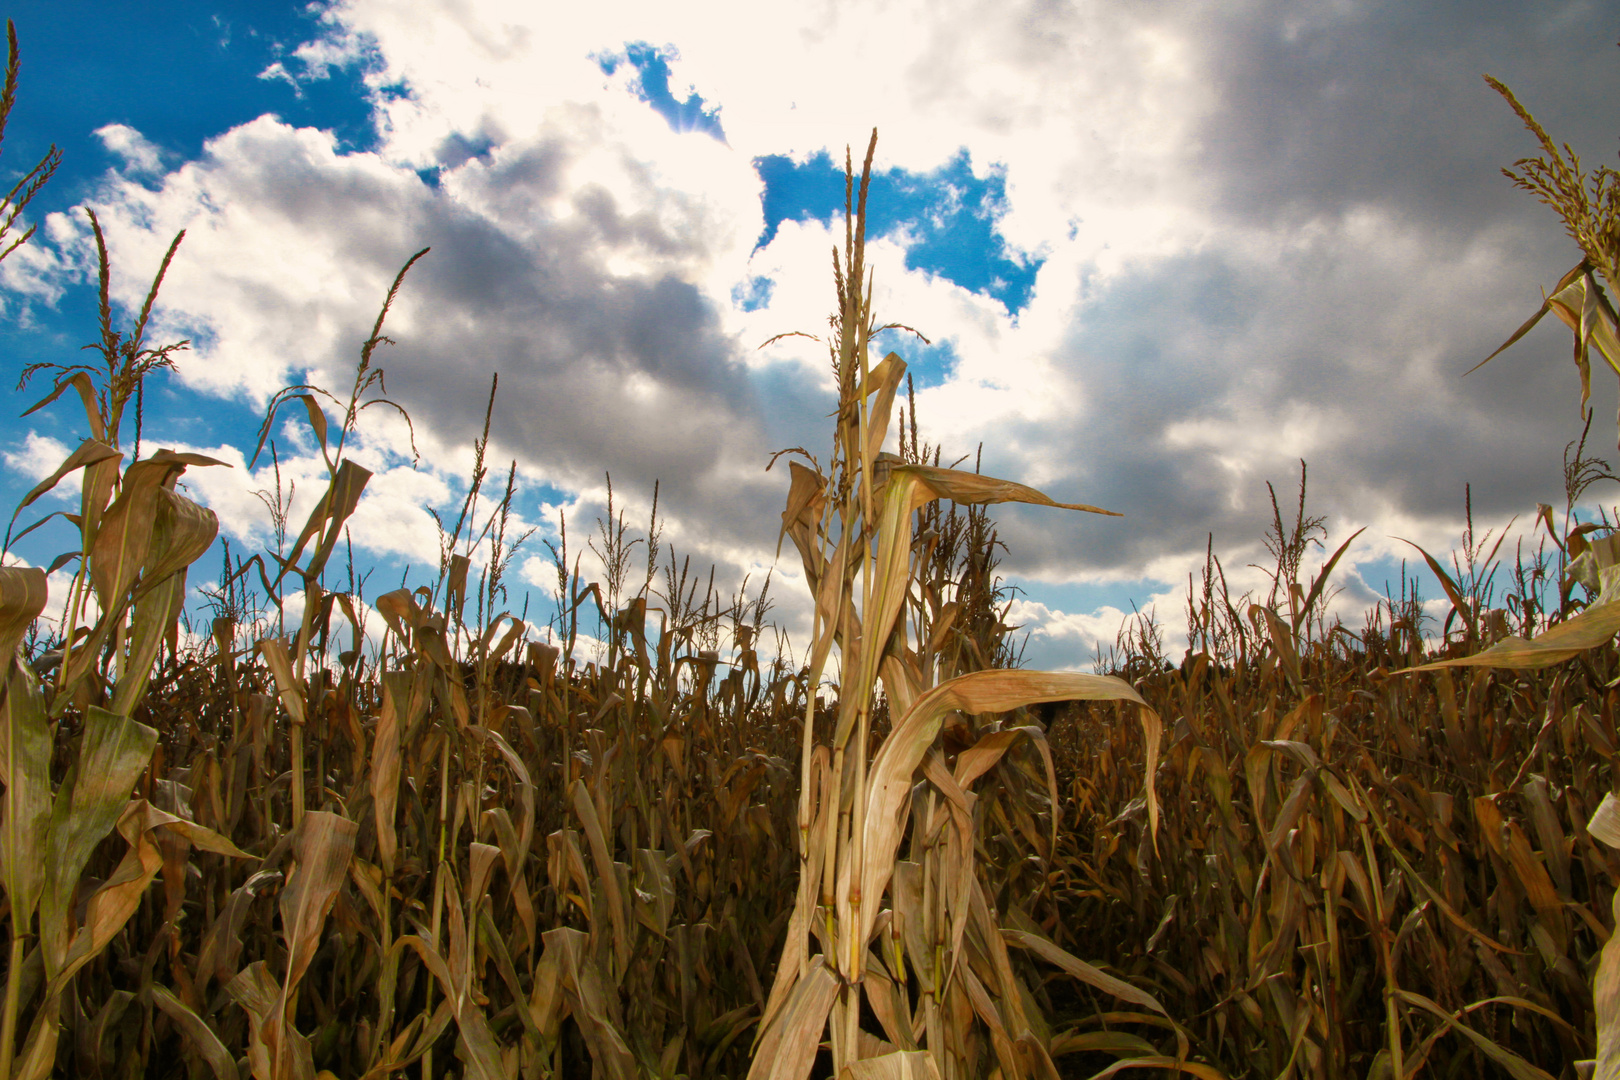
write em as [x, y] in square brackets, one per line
[1161, 251]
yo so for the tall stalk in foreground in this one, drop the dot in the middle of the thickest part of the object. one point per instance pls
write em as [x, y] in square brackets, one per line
[881, 923]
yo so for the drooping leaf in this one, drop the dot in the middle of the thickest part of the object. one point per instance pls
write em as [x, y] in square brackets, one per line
[276, 1051]
[787, 1048]
[23, 593]
[112, 755]
[27, 807]
[322, 848]
[195, 1029]
[1587, 630]
[89, 452]
[896, 761]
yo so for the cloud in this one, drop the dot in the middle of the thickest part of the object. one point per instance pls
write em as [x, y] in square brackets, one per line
[140, 156]
[1251, 236]
[39, 457]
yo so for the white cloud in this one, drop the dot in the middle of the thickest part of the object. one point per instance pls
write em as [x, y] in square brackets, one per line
[140, 156]
[39, 457]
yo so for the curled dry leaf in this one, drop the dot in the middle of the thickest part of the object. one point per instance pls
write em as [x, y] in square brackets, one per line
[896, 762]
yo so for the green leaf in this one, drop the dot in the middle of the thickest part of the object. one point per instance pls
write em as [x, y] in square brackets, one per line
[114, 752]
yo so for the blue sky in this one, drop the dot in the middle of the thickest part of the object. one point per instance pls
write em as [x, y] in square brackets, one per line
[1160, 253]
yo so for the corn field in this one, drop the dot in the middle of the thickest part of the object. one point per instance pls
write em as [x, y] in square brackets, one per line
[483, 851]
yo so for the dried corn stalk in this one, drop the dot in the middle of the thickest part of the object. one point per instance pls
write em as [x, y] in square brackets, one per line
[878, 919]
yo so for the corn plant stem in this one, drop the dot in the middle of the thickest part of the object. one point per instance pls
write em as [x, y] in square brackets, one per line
[1332, 976]
[227, 677]
[300, 661]
[807, 748]
[75, 609]
[8, 1028]
[931, 925]
[851, 937]
[1386, 962]
[438, 878]
[833, 813]
[296, 748]
[390, 976]
[567, 667]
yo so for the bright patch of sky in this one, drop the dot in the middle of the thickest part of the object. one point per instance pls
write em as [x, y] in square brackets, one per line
[946, 219]
[651, 85]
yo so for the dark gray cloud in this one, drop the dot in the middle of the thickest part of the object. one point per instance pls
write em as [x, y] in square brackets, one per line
[1322, 106]
[1367, 253]
[1353, 363]
[598, 371]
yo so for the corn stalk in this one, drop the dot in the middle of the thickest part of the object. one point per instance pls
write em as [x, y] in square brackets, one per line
[878, 920]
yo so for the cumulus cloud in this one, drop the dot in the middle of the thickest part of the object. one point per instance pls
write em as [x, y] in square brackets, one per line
[38, 457]
[141, 157]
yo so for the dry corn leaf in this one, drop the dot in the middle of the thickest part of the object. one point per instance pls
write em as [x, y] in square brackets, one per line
[1589, 629]
[112, 904]
[1011, 994]
[25, 737]
[454, 971]
[786, 1049]
[113, 753]
[1605, 826]
[601, 855]
[322, 846]
[38, 1057]
[274, 651]
[979, 758]
[156, 616]
[80, 381]
[149, 528]
[1606, 1002]
[312, 408]
[385, 764]
[1169, 1064]
[276, 1051]
[23, 593]
[477, 1038]
[1537, 883]
[1081, 970]
[525, 787]
[1576, 305]
[181, 530]
[222, 944]
[196, 1029]
[1118, 1043]
[900, 1065]
[882, 381]
[907, 489]
[326, 520]
[455, 593]
[979, 998]
[897, 760]
[1282, 639]
[1605, 822]
[803, 510]
[95, 493]
[88, 453]
[592, 1008]
[402, 613]
[973, 489]
[1516, 1066]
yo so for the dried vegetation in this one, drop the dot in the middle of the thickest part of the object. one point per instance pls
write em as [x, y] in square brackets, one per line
[477, 854]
